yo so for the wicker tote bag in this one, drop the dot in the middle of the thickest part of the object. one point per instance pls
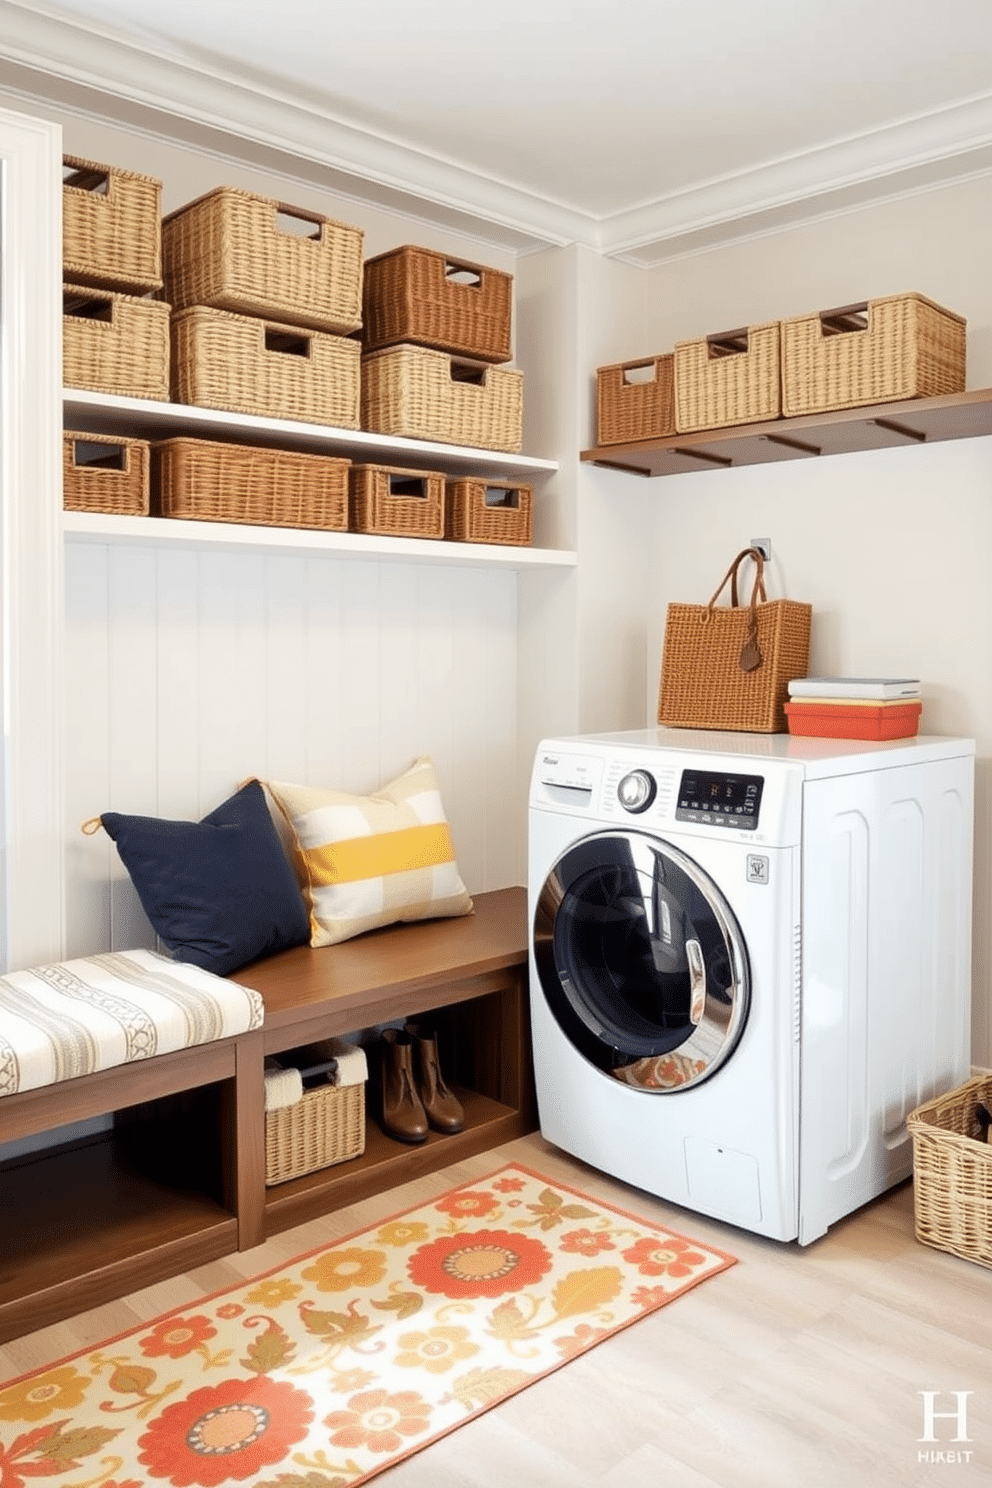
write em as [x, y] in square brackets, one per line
[729, 666]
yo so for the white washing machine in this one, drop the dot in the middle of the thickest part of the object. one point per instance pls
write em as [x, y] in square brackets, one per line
[750, 960]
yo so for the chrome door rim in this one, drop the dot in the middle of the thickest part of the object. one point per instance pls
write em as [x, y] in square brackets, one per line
[718, 1030]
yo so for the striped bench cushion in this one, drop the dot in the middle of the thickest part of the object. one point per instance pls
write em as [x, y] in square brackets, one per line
[77, 1017]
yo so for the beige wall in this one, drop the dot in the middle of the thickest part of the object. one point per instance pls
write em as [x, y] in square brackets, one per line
[936, 243]
[893, 547]
[187, 173]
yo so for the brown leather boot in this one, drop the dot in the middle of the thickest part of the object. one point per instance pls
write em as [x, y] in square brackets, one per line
[403, 1114]
[444, 1112]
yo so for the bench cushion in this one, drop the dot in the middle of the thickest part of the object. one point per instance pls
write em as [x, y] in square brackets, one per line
[77, 1017]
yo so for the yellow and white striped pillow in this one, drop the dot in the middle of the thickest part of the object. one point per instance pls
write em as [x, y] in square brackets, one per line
[365, 861]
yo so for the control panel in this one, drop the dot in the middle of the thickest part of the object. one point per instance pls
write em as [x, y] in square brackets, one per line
[718, 799]
[562, 778]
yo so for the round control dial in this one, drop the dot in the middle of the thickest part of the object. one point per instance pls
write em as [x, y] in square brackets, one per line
[637, 790]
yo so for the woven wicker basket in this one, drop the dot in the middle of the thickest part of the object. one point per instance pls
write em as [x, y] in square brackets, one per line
[205, 481]
[326, 1126]
[100, 474]
[114, 343]
[729, 378]
[952, 1172]
[876, 352]
[111, 226]
[419, 296]
[396, 503]
[483, 512]
[631, 407]
[417, 393]
[246, 365]
[229, 249]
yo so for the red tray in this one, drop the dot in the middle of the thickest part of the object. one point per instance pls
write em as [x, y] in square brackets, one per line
[854, 720]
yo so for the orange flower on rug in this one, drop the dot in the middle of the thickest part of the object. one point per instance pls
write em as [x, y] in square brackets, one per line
[329, 1370]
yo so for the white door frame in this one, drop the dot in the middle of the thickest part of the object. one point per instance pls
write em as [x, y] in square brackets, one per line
[31, 600]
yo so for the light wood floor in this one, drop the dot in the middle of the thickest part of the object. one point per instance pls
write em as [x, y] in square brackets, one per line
[796, 1367]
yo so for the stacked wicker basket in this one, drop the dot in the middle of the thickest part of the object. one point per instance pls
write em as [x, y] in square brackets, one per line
[240, 303]
[435, 331]
[883, 350]
[265, 300]
[115, 337]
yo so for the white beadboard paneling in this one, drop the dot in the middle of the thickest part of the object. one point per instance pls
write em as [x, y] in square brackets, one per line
[179, 685]
[399, 677]
[359, 650]
[232, 729]
[484, 762]
[191, 669]
[89, 859]
[284, 665]
[132, 718]
[323, 724]
[132, 694]
[437, 705]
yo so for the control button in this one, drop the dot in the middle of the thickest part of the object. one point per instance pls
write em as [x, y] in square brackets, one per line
[636, 791]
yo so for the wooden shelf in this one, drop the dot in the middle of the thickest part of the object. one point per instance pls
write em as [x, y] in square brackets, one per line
[847, 431]
[83, 1225]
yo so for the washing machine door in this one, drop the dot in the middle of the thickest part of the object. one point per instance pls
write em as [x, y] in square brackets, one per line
[641, 960]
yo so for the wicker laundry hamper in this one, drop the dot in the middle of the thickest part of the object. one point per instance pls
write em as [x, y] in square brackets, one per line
[952, 1172]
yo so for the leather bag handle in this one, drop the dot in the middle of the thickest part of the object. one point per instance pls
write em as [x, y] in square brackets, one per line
[750, 657]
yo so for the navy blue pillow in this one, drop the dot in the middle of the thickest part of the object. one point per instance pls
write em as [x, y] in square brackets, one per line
[219, 892]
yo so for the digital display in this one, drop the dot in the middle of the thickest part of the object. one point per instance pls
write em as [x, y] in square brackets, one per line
[719, 800]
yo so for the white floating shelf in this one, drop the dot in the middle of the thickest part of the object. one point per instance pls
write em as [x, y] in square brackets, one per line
[95, 527]
[142, 418]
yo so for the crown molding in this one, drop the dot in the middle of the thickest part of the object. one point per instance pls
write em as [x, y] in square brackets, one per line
[915, 155]
[48, 59]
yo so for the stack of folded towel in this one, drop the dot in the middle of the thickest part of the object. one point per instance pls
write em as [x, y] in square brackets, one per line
[331, 1062]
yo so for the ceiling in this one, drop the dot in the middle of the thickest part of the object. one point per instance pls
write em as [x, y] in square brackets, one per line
[641, 128]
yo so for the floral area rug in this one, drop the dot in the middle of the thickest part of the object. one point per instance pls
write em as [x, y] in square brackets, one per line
[327, 1371]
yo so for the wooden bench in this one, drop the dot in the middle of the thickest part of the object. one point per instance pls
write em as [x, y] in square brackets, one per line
[87, 1222]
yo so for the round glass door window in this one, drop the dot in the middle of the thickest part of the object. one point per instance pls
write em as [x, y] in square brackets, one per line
[641, 961]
